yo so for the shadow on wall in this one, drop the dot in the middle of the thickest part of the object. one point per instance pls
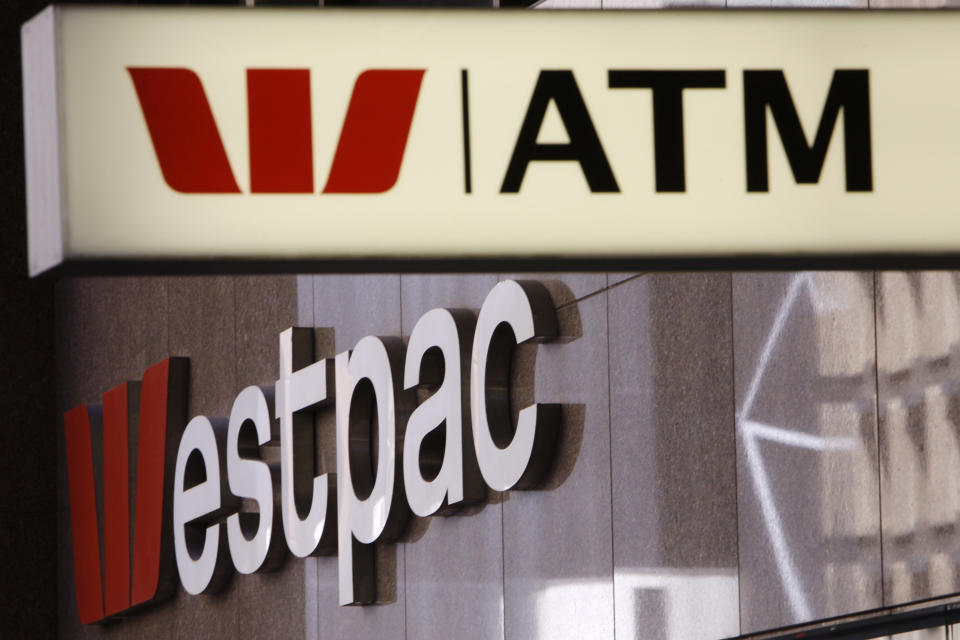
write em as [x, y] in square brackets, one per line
[522, 394]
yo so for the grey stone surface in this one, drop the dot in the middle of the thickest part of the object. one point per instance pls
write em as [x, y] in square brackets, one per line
[625, 533]
[304, 286]
[109, 330]
[673, 457]
[363, 622]
[564, 287]
[266, 305]
[213, 615]
[617, 277]
[270, 604]
[454, 576]
[202, 326]
[458, 559]
[156, 622]
[918, 336]
[809, 528]
[355, 306]
[558, 574]
[421, 293]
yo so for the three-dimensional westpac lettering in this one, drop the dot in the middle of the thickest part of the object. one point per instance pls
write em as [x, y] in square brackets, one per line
[113, 585]
[394, 456]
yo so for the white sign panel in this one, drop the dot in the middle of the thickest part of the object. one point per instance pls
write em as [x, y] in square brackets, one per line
[183, 134]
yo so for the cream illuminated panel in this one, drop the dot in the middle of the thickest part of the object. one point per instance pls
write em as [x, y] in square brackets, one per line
[179, 134]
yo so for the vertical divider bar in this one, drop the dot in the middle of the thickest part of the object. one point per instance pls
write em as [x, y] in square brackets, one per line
[466, 130]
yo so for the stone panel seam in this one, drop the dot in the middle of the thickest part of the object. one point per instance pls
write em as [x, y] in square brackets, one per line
[166, 304]
[503, 558]
[402, 548]
[613, 541]
[876, 382]
[236, 364]
[503, 570]
[236, 386]
[310, 587]
[600, 290]
[736, 447]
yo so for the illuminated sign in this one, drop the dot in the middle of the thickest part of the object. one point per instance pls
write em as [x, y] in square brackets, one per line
[195, 515]
[342, 135]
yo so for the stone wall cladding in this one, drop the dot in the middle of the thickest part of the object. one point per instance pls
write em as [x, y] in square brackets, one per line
[722, 451]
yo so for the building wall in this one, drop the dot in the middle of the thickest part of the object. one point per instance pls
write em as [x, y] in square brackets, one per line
[739, 452]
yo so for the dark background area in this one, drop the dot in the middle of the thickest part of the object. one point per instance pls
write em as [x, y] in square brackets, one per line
[28, 514]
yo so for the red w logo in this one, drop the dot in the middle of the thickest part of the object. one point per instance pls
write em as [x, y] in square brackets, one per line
[162, 399]
[191, 154]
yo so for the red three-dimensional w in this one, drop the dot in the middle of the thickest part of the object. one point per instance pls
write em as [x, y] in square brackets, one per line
[148, 574]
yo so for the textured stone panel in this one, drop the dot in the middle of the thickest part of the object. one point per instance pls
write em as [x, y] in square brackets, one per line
[558, 573]
[807, 446]
[202, 327]
[354, 306]
[564, 287]
[270, 604]
[918, 337]
[109, 330]
[617, 277]
[673, 454]
[454, 568]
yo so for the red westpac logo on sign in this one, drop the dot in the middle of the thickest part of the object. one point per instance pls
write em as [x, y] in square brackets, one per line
[137, 565]
[193, 160]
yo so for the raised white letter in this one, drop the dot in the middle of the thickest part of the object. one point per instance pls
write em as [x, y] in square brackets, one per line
[302, 387]
[253, 536]
[509, 457]
[370, 495]
[198, 501]
[439, 463]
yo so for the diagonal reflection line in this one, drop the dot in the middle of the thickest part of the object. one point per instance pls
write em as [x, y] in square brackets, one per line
[771, 519]
[751, 432]
[773, 338]
[792, 438]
